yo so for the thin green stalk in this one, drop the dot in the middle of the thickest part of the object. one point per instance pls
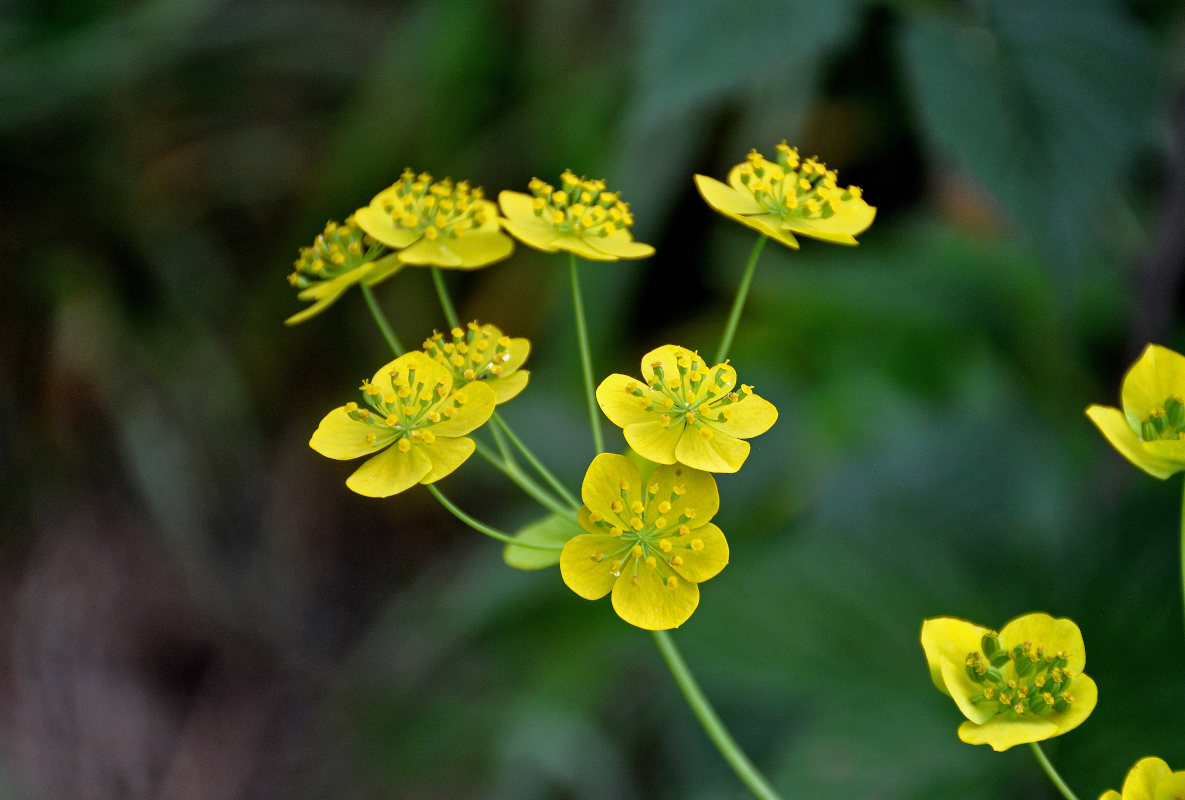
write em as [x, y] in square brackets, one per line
[585, 356]
[493, 533]
[711, 723]
[734, 318]
[522, 480]
[1183, 546]
[543, 471]
[446, 303]
[381, 319]
[1051, 772]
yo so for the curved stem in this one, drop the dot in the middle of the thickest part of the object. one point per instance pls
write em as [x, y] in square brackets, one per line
[523, 481]
[585, 356]
[493, 533]
[446, 303]
[381, 319]
[1052, 773]
[543, 471]
[734, 318]
[711, 723]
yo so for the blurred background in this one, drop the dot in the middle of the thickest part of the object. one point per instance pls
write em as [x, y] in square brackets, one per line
[192, 604]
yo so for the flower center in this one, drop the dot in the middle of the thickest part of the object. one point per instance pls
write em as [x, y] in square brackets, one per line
[434, 208]
[686, 396]
[790, 186]
[415, 405]
[1165, 423]
[337, 250]
[474, 354]
[1022, 681]
[580, 206]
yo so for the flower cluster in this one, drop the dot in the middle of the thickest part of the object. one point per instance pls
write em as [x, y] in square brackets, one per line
[342, 255]
[482, 353]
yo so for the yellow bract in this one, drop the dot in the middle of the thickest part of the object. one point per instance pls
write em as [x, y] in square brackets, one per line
[651, 543]
[413, 419]
[581, 217]
[341, 256]
[483, 353]
[1024, 684]
[684, 412]
[787, 196]
[1150, 430]
[436, 223]
[1149, 779]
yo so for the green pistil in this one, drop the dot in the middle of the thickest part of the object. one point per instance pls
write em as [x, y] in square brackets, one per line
[1022, 681]
[1165, 423]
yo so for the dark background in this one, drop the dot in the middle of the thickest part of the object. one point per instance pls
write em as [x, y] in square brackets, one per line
[192, 604]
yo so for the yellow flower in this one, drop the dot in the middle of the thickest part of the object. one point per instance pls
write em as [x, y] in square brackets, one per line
[648, 541]
[1023, 684]
[1150, 431]
[341, 256]
[436, 223]
[482, 353]
[788, 196]
[414, 417]
[1149, 779]
[581, 217]
[685, 412]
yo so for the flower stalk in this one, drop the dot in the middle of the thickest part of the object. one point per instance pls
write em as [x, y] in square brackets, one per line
[585, 356]
[1052, 773]
[734, 318]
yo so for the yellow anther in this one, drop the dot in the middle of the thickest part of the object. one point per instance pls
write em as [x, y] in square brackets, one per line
[370, 439]
[392, 420]
[428, 436]
[351, 407]
[441, 391]
[679, 489]
[631, 387]
[434, 416]
[458, 360]
[664, 419]
[689, 513]
[660, 523]
[691, 416]
[706, 434]
[616, 506]
[651, 562]
[726, 413]
[636, 523]
[672, 582]
[431, 233]
[637, 507]
[363, 413]
[408, 410]
[390, 397]
[594, 517]
[460, 398]
[469, 375]
[624, 485]
[615, 531]
[636, 551]
[615, 568]
[665, 545]
[597, 557]
[663, 507]
[676, 561]
[643, 403]
[404, 445]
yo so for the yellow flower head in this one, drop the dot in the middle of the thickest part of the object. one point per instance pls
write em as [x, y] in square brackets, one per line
[681, 411]
[1150, 431]
[1149, 779]
[341, 256]
[414, 420]
[436, 223]
[1023, 684]
[648, 541]
[581, 217]
[482, 353]
[787, 196]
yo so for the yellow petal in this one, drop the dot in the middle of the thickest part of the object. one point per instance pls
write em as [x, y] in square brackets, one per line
[535, 233]
[1002, 733]
[620, 406]
[643, 598]
[335, 286]
[750, 417]
[1157, 375]
[1055, 635]
[509, 387]
[620, 245]
[518, 207]
[853, 217]
[702, 562]
[603, 480]
[378, 224]
[1171, 787]
[477, 409]
[653, 440]
[582, 247]
[1142, 779]
[668, 356]
[699, 492]
[949, 640]
[445, 454]
[716, 453]
[426, 368]
[585, 564]
[390, 472]
[1119, 433]
[382, 269]
[726, 199]
[471, 251]
[518, 351]
[341, 437]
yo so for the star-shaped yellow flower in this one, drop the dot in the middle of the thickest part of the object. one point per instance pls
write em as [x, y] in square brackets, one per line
[341, 256]
[649, 542]
[787, 196]
[436, 223]
[682, 411]
[414, 420]
[581, 217]
[483, 353]
[1149, 779]
[1023, 684]
[1150, 431]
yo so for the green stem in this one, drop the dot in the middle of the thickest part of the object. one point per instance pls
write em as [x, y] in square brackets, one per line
[446, 303]
[523, 481]
[711, 723]
[381, 319]
[734, 318]
[543, 471]
[493, 533]
[1051, 772]
[1183, 546]
[585, 356]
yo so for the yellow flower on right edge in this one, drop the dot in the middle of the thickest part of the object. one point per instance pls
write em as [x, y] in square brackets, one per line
[1149, 779]
[1021, 685]
[1150, 430]
[789, 195]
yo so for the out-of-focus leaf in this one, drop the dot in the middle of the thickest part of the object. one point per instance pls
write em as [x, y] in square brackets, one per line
[552, 529]
[1043, 103]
